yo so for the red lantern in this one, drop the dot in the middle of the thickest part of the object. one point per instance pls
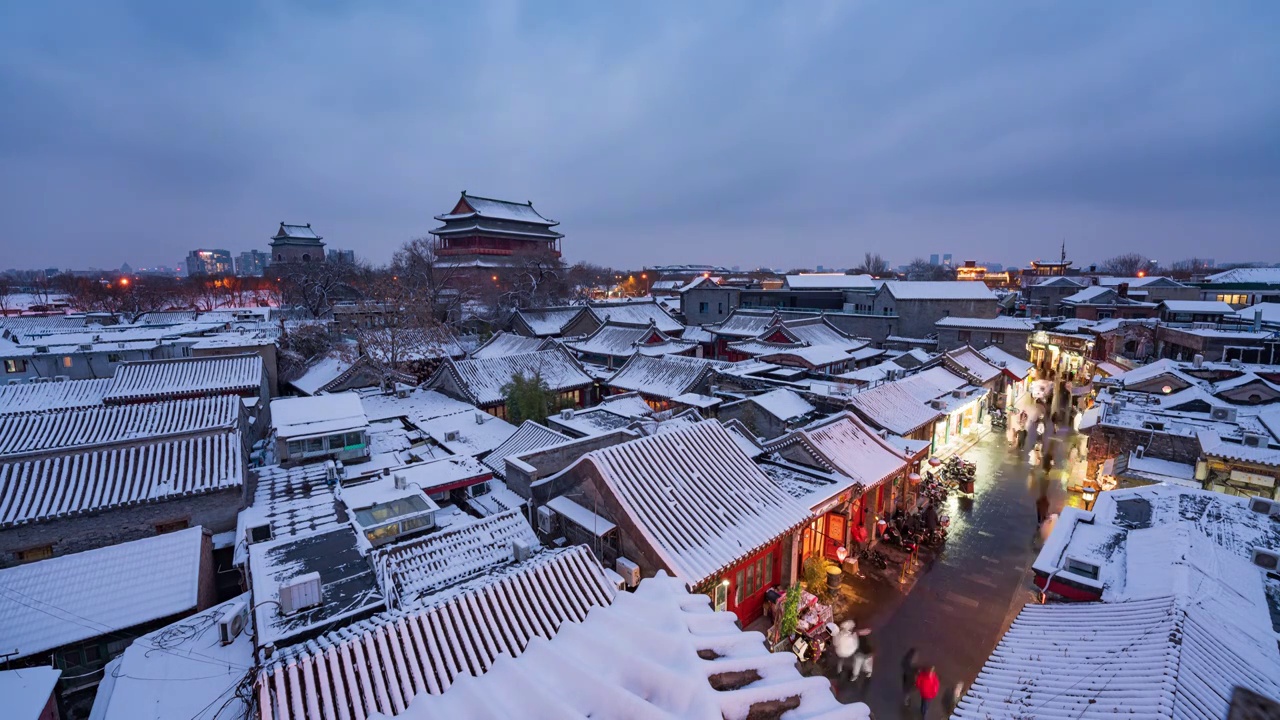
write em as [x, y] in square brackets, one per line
[913, 478]
[841, 553]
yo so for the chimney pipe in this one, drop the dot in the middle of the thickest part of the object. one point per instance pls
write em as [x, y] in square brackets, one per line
[1257, 320]
[1123, 290]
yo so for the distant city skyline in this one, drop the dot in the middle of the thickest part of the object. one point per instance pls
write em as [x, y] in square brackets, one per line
[746, 134]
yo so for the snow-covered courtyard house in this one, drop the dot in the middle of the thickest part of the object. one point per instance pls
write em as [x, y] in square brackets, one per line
[1175, 606]
[81, 478]
[660, 380]
[688, 501]
[771, 413]
[611, 345]
[80, 610]
[547, 322]
[321, 427]
[481, 381]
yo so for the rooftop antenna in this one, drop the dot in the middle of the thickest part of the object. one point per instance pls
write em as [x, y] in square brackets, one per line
[1064, 251]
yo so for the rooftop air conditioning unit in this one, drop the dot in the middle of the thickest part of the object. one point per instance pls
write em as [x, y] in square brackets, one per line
[566, 414]
[1223, 414]
[1152, 425]
[1139, 451]
[958, 393]
[233, 621]
[451, 436]
[1235, 362]
[629, 571]
[61, 378]
[300, 593]
[330, 472]
[1252, 440]
[400, 481]
[546, 520]
[482, 418]
[14, 381]
[402, 392]
[1198, 361]
[937, 404]
[1261, 505]
[520, 551]
[1265, 559]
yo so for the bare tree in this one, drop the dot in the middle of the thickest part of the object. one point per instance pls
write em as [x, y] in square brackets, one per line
[1191, 266]
[1128, 265]
[315, 286]
[6, 295]
[872, 264]
[429, 281]
[921, 269]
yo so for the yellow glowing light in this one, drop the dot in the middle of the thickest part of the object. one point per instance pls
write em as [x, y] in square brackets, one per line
[495, 278]
[124, 282]
[1142, 273]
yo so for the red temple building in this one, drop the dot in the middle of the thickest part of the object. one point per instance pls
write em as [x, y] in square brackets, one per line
[485, 233]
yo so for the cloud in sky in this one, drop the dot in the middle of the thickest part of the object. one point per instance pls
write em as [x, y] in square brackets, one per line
[734, 133]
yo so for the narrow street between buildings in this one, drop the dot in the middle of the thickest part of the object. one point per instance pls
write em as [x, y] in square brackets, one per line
[958, 603]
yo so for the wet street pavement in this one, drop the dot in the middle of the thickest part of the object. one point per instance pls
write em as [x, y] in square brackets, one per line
[966, 596]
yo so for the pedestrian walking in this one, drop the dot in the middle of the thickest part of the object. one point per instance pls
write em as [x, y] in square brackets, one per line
[951, 698]
[862, 659]
[927, 685]
[1042, 508]
[909, 672]
[844, 643]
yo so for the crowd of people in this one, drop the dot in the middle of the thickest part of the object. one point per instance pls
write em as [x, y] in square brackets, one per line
[855, 648]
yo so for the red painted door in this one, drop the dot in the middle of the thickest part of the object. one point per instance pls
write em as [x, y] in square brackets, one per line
[835, 535]
[749, 580]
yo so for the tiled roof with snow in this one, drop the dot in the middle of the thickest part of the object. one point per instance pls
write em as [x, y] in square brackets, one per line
[482, 379]
[846, 445]
[186, 377]
[302, 417]
[80, 482]
[37, 397]
[626, 404]
[661, 377]
[818, 356]
[1016, 366]
[1213, 445]
[1267, 276]
[829, 281]
[618, 341]
[500, 210]
[467, 433]
[292, 501]
[783, 404]
[996, 323]
[744, 324]
[32, 433]
[63, 600]
[1270, 312]
[398, 655]
[506, 343]
[894, 408]
[26, 692]
[549, 321]
[636, 314]
[411, 571]
[972, 364]
[298, 232]
[322, 373]
[698, 500]
[1107, 659]
[420, 405]
[528, 437]
[939, 290]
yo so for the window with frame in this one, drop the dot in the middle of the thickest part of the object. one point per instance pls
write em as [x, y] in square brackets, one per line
[43, 552]
[113, 357]
[66, 361]
[295, 447]
[15, 366]
[964, 335]
[314, 445]
[704, 307]
[997, 338]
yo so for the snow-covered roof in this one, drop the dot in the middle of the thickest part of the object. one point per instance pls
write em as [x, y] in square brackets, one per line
[1270, 313]
[348, 586]
[40, 396]
[996, 323]
[568, 665]
[1199, 307]
[303, 417]
[185, 377]
[874, 373]
[549, 321]
[636, 314]
[696, 498]
[829, 281]
[972, 364]
[1265, 276]
[80, 482]
[1137, 282]
[744, 323]
[697, 400]
[482, 380]
[698, 334]
[322, 373]
[810, 486]
[591, 422]
[1212, 444]
[63, 600]
[467, 433]
[298, 232]
[26, 692]
[292, 501]
[845, 444]
[1011, 364]
[939, 290]
[783, 404]
[499, 210]
[528, 437]
[420, 406]
[619, 341]
[818, 356]
[893, 407]
[142, 684]
[662, 377]
[506, 343]
[429, 648]
[412, 571]
[629, 404]
[1108, 659]
[45, 432]
[446, 473]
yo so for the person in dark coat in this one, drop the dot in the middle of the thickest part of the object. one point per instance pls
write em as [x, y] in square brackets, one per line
[1042, 509]
[909, 671]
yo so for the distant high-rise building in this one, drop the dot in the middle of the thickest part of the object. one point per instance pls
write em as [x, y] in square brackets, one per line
[296, 243]
[252, 263]
[346, 256]
[209, 262]
[946, 259]
[933, 259]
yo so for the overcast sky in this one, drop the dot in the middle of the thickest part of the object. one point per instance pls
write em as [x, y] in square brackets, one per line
[788, 134]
